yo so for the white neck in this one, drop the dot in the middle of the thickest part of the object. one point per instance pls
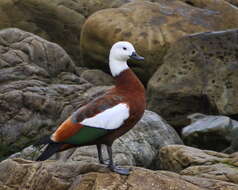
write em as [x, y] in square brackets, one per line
[117, 67]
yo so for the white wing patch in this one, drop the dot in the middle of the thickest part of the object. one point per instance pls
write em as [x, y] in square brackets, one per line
[111, 118]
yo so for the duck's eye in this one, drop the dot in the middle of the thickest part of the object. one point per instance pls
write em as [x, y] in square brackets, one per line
[124, 48]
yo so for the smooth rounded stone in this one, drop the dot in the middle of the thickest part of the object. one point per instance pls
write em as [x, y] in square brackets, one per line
[219, 133]
[39, 88]
[152, 27]
[140, 146]
[199, 75]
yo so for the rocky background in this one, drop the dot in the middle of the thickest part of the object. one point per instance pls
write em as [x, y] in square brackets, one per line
[54, 59]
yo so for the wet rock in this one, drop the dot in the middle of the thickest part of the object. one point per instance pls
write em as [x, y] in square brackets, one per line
[39, 87]
[163, 22]
[198, 75]
[211, 132]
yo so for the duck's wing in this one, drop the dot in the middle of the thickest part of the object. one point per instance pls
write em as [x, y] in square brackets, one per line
[93, 121]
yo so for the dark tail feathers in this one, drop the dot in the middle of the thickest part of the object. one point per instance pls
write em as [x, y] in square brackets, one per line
[44, 140]
[50, 149]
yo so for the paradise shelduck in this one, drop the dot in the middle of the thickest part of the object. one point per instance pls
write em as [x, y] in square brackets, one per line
[107, 117]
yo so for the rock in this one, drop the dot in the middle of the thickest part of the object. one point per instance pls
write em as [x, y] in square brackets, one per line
[163, 22]
[23, 174]
[97, 77]
[139, 179]
[188, 81]
[49, 175]
[59, 21]
[140, 146]
[205, 183]
[233, 2]
[212, 4]
[200, 163]
[88, 7]
[179, 157]
[211, 132]
[56, 21]
[39, 87]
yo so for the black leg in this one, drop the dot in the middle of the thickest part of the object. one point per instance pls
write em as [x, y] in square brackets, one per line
[123, 171]
[100, 158]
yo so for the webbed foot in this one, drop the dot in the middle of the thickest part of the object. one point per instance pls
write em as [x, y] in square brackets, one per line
[119, 170]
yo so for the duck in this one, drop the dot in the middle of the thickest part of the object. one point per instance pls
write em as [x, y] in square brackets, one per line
[105, 118]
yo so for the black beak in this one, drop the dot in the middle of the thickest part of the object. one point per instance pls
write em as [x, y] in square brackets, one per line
[135, 56]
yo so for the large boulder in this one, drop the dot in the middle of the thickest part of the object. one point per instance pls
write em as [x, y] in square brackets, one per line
[199, 74]
[39, 87]
[151, 27]
[140, 146]
[219, 133]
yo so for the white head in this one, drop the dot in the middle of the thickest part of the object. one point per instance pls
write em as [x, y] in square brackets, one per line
[119, 54]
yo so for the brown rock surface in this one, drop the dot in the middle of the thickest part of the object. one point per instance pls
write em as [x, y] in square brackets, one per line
[59, 176]
[59, 21]
[97, 77]
[205, 183]
[53, 20]
[162, 23]
[39, 87]
[27, 175]
[199, 74]
[200, 163]
[179, 157]
[213, 4]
